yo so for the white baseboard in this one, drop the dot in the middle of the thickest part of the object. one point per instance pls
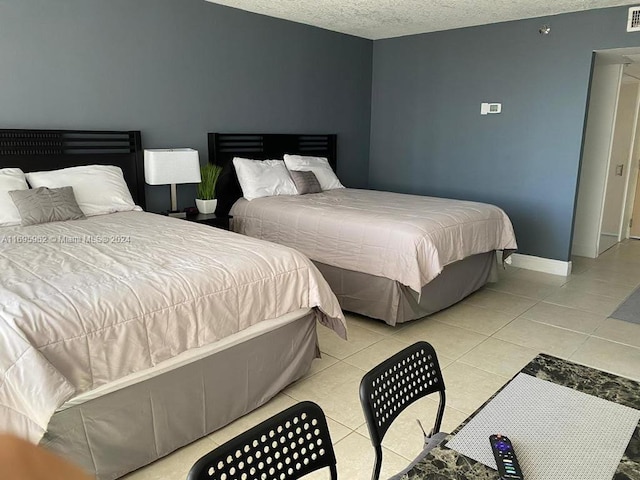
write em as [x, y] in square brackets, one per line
[538, 264]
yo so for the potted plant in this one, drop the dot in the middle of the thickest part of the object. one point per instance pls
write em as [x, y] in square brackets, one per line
[206, 201]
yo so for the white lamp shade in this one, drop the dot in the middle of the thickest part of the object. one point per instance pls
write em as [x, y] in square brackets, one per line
[171, 166]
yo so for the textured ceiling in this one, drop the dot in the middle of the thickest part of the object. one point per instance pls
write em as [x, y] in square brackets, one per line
[375, 19]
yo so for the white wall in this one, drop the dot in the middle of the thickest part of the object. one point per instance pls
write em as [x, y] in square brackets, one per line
[605, 84]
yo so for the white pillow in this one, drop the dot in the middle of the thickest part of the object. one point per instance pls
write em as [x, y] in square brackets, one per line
[318, 165]
[10, 179]
[264, 178]
[99, 189]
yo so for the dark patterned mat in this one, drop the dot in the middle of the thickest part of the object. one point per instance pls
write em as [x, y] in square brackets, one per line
[629, 311]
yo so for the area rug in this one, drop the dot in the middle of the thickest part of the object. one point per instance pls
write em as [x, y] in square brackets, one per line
[629, 311]
[558, 433]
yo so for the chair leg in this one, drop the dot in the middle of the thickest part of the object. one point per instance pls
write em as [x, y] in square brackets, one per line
[334, 472]
[378, 465]
[438, 423]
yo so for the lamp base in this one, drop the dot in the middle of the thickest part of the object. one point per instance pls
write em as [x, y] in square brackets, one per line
[177, 214]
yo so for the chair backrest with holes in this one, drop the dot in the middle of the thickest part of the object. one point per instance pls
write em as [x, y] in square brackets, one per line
[389, 388]
[287, 446]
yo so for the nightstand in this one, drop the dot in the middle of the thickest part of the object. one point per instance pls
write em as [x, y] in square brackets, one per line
[211, 219]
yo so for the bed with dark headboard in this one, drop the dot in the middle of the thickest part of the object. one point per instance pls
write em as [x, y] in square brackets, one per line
[293, 221]
[126, 423]
[43, 150]
[223, 147]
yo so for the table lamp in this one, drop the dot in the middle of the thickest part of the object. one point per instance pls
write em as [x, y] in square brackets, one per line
[171, 166]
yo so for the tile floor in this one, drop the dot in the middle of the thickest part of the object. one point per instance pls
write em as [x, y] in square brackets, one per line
[481, 343]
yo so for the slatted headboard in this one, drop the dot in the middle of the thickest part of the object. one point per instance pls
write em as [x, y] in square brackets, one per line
[260, 146]
[37, 150]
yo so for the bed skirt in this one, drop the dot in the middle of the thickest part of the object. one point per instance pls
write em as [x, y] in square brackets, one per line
[394, 303]
[119, 432]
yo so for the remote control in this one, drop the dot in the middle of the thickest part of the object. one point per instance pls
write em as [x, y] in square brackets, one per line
[508, 466]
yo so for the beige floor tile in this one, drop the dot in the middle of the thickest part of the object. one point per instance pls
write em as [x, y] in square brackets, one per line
[541, 277]
[469, 387]
[600, 287]
[478, 319]
[499, 357]
[523, 287]
[619, 331]
[337, 430]
[610, 275]
[620, 255]
[589, 302]
[543, 338]
[176, 465]
[503, 302]
[405, 438]
[277, 404]
[320, 364]
[359, 338]
[620, 262]
[355, 459]
[507, 270]
[335, 389]
[565, 317]
[378, 352]
[375, 325]
[609, 356]
[581, 264]
[448, 341]
[452, 419]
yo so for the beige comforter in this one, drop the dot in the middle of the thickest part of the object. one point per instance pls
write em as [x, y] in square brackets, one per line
[407, 238]
[86, 302]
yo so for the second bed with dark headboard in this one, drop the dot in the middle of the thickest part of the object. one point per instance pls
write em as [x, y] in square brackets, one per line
[389, 256]
[223, 147]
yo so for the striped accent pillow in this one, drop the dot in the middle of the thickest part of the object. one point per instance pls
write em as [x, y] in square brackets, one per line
[306, 181]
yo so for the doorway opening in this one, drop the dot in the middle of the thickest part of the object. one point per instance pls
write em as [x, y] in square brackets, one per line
[608, 191]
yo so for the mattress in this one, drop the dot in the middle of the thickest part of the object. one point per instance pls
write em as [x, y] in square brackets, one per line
[406, 238]
[84, 303]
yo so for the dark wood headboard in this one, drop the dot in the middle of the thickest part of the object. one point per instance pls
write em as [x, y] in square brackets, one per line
[261, 146]
[38, 150]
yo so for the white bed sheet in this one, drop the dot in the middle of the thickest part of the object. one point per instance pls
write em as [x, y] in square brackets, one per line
[407, 238]
[86, 302]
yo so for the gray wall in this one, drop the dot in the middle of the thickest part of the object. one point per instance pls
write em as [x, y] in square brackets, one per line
[176, 69]
[428, 137]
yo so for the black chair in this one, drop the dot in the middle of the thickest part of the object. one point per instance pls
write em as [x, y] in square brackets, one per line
[287, 446]
[389, 388]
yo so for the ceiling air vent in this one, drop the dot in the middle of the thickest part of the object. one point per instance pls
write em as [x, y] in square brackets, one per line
[633, 23]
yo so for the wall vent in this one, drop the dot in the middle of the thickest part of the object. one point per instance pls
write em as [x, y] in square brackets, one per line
[633, 23]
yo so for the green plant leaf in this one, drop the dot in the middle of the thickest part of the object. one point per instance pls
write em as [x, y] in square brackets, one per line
[207, 186]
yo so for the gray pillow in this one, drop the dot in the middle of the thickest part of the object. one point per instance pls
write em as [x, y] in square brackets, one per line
[42, 205]
[306, 181]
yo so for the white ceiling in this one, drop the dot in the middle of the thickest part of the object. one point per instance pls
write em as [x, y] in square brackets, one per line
[376, 19]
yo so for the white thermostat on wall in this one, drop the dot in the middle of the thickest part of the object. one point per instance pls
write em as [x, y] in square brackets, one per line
[486, 108]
